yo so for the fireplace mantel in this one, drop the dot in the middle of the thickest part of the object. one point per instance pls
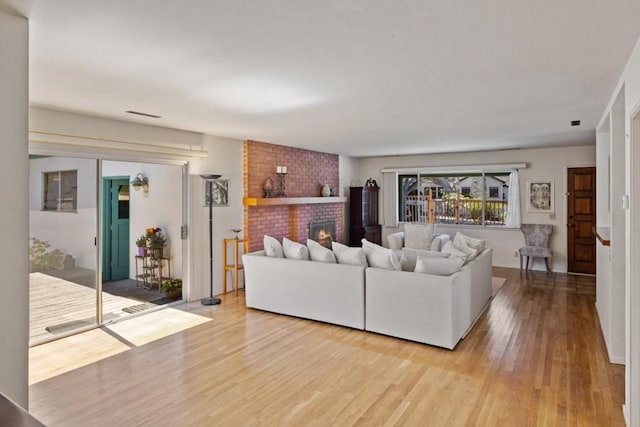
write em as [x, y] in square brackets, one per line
[278, 201]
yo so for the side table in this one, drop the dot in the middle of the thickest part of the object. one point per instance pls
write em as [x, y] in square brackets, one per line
[236, 266]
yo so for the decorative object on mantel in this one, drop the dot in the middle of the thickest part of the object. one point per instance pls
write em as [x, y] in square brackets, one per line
[281, 172]
[208, 178]
[267, 188]
[326, 190]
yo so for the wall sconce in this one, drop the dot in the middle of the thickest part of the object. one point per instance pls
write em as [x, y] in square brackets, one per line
[141, 181]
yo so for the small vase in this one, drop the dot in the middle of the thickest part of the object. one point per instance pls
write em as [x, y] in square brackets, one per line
[142, 251]
[326, 190]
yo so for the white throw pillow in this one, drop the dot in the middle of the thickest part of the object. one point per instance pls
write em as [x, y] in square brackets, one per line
[449, 248]
[438, 266]
[351, 256]
[418, 236]
[462, 246]
[380, 257]
[478, 244]
[272, 247]
[319, 253]
[295, 250]
[410, 256]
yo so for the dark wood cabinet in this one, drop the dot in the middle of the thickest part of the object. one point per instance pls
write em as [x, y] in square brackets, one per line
[363, 218]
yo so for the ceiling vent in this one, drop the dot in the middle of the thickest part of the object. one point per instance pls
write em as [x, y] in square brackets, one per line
[575, 122]
[138, 113]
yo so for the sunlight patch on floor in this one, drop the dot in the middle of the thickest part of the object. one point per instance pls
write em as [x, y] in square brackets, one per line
[66, 354]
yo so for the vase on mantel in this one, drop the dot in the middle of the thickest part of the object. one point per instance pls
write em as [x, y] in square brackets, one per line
[326, 190]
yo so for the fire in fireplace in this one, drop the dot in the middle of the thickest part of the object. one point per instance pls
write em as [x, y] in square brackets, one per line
[323, 232]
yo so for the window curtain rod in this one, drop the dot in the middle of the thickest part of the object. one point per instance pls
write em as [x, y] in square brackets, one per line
[467, 168]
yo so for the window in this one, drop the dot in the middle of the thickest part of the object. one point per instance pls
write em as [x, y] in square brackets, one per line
[60, 191]
[477, 198]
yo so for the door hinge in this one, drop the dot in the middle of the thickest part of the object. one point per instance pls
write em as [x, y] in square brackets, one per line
[184, 232]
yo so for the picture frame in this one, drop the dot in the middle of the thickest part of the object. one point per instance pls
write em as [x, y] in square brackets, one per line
[540, 196]
[219, 192]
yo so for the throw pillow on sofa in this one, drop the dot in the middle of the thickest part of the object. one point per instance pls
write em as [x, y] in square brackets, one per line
[380, 257]
[351, 256]
[410, 256]
[478, 244]
[449, 248]
[418, 236]
[294, 250]
[319, 253]
[438, 266]
[272, 247]
[462, 246]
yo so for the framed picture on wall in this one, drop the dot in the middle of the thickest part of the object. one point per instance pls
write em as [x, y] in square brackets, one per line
[219, 192]
[540, 196]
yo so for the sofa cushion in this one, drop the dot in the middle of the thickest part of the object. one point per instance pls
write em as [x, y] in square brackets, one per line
[409, 257]
[418, 236]
[438, 266]
[272, 247]
[294, 250]
[319, 253]
[380, 257]
[449, 248]
[478, 244]
[351, 256]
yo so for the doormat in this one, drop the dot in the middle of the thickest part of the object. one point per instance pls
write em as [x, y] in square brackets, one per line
[164, 300]
[137, 308]
[77, 324]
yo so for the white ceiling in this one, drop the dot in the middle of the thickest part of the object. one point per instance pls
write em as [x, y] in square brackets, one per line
[354, 77]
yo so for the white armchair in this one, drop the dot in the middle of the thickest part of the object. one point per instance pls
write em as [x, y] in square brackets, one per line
[396, 241]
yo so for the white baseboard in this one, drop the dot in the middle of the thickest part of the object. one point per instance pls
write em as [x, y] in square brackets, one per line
[618, 360]
[625, 414]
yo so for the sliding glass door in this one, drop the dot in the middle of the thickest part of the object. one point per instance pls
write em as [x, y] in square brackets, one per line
[63, 216]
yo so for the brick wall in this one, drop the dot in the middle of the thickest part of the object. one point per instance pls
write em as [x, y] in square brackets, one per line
[307, 171]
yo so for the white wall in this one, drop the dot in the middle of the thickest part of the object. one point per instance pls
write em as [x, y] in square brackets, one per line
[14, 225]
[225, 158]
[545, 163]
[349, 177]
[161, 207]
[630, 81]
[71, 232]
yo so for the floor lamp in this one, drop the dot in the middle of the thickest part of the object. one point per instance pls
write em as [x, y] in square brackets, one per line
[208, 182]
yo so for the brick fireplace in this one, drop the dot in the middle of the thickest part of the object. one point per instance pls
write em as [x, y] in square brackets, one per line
[307, 171]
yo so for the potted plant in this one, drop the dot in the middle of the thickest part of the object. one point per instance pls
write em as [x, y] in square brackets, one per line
[141, 243]
[172, 288]
[155, 241]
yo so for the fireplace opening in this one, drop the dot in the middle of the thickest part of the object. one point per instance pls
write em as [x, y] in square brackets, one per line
[323, 232]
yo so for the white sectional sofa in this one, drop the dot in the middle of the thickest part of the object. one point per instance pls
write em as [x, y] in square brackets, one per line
[332, 293]
[436, 310]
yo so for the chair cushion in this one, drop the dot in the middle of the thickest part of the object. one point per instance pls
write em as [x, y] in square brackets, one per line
[536, 251]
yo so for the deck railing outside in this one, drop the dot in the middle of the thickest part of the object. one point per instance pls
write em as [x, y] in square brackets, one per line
[455, 211]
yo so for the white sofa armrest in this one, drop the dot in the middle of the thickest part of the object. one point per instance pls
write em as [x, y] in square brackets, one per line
[439, 241]
[396, 240]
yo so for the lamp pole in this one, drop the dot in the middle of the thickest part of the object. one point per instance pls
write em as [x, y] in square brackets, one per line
[208, 179]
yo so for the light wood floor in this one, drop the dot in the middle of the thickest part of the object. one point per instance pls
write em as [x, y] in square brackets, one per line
[536, 357]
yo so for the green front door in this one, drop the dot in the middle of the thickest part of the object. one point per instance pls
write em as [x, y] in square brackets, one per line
[116, 229]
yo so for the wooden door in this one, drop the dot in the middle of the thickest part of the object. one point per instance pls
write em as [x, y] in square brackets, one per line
[115, 253]
[581, 218]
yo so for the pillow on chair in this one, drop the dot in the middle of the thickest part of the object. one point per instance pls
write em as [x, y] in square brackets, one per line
[438, 266]
[410, 256]
[380, 257]
[350, 256]
[319, 253]
[294, 250]
[478, 244]
[449, 248]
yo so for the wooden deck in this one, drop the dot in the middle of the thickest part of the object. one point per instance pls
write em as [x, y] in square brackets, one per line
[58, 306]
[535, 357]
